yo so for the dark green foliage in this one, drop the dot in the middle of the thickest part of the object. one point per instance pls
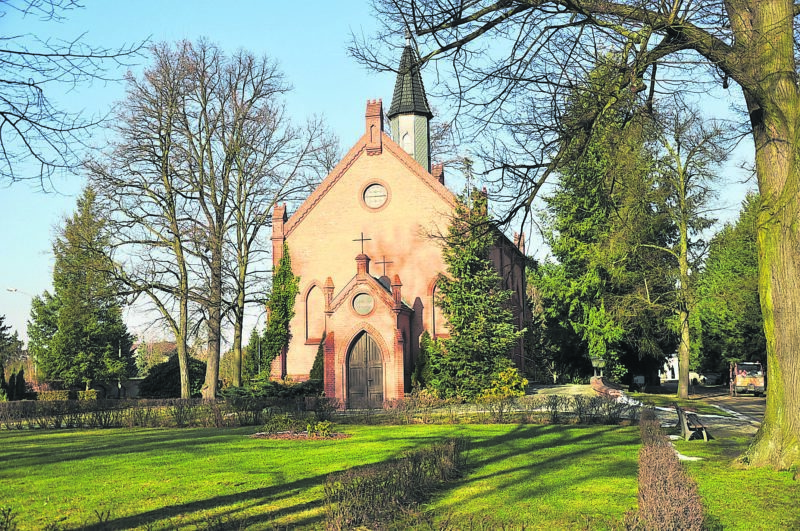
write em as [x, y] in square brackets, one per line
[422, 374]
[164, 380]
[251, 356]
[474, 303]
[20, 386]
[10, 346]
[728, 302]
[77, 334]
[607, 294]
[3, 385]
[11, 388]
[280, 310]
[275, 389]
[318, 369]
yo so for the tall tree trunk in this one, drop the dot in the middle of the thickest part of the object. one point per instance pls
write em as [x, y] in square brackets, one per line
[684, 347]
[774, 106]
[778, 441]
[180, 344]
[214, 321]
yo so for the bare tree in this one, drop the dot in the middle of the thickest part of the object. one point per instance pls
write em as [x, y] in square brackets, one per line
[228, 154]
[691, 153]
[512, 63]
[149, 199]
[278, 163]
[39, 138]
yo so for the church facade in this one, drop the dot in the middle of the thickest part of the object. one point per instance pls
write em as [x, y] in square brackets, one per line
[365, 246]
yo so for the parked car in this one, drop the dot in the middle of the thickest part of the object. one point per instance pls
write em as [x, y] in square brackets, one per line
[747, 377]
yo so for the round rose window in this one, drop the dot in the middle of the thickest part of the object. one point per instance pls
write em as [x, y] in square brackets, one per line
[363, 303]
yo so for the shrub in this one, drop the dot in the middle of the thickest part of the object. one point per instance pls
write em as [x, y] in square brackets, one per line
[318, 369]
[91, 394]
[52, 396]
[164, 379]
[668, 497]
[374, 496]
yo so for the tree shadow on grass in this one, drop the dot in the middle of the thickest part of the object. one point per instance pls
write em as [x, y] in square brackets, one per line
[195, 514]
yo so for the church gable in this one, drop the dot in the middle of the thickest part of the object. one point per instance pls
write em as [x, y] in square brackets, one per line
[388, 163]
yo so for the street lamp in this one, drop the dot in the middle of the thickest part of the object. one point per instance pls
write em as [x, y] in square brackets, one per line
[598, 364]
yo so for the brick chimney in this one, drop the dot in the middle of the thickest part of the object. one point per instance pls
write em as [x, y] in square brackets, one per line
[279, 218]
[438, 172]
[374, 127]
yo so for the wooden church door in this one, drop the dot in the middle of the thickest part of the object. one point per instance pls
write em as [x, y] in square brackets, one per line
[365, 374]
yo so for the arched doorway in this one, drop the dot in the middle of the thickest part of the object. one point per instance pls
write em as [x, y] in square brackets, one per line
[364, 373]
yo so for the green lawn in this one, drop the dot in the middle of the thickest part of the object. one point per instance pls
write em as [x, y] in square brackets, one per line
[737, 498]
[539, 476]
[543, 477]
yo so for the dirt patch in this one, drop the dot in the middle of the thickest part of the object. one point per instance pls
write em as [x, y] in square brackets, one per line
[299, 436]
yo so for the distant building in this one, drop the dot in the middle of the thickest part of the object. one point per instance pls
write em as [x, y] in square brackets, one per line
[364, 246]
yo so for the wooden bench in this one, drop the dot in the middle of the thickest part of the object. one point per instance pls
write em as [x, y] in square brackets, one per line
[691, 426]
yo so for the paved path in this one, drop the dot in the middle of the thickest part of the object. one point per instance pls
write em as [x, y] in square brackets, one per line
[747, 411]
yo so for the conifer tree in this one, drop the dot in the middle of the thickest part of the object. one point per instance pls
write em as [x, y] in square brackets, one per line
[474, 303]
[77, 334]
[318, 369]
[281, 310]
[251, 361]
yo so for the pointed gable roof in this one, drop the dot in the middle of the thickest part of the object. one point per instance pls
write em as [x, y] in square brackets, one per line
[409, 92]
[357, 151]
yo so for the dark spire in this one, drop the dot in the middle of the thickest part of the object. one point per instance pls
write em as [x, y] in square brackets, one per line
[409, 93]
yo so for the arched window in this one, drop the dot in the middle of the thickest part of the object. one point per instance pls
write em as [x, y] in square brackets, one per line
[315, 314]
[407, 144]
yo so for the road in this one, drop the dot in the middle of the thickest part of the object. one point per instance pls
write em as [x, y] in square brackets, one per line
[748, 405]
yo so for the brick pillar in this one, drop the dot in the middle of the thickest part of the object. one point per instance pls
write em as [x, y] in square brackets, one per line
[362, 266]
[374, 127]
[396, 295]
[329, 363]
[278, 220]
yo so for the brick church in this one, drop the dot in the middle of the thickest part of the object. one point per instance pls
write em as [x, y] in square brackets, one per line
[364, 246]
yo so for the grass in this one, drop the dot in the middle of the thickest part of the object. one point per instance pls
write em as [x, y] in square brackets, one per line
[539, 476]
[738, 498]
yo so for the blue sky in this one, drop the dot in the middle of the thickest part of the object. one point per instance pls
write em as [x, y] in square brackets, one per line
[308, 39]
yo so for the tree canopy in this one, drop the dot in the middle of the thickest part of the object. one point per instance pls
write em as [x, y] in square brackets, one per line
[78, 335]
[39, 137]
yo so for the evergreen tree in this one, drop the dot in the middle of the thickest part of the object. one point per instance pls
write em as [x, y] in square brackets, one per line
[280, 310]
[12, 387]
[78, 335]
[422, 375]
[728, 304]
[251, 361]
[10, 344]
[20, 386]
[474, 303]
[3, 385]
[606, 295]
[318, 369]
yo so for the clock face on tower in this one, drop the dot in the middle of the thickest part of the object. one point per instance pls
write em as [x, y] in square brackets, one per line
[375, 195]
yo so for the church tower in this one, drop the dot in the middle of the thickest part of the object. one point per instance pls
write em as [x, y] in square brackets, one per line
[409, 115]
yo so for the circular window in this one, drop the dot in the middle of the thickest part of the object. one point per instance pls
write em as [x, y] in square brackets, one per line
[375, 195]
[363, 303]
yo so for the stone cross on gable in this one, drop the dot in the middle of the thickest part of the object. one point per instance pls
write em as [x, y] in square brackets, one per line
[384, 264]
[362, 239]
